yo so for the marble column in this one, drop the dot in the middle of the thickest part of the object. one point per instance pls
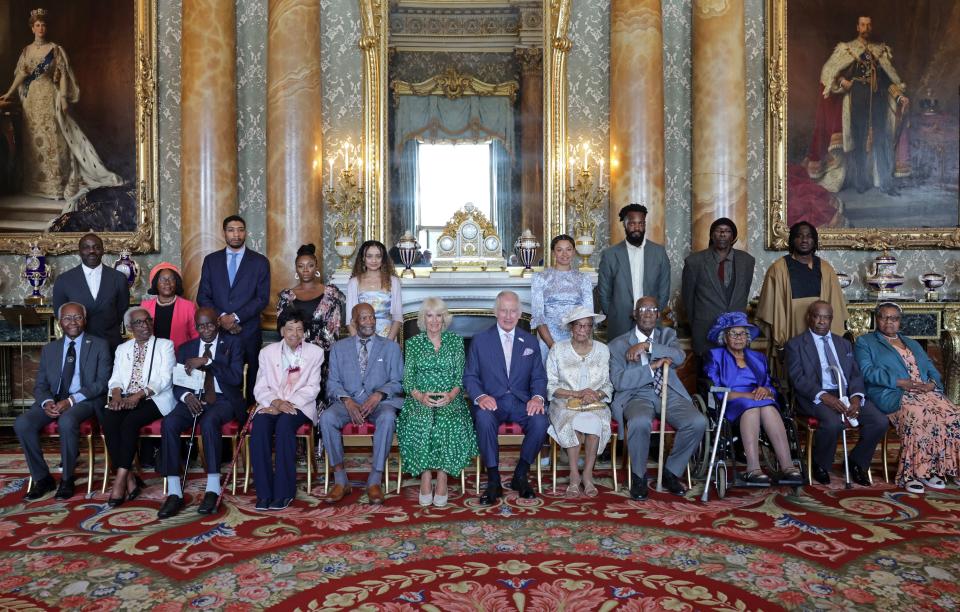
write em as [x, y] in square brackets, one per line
[636, 113]
[294, 146]
[531, 145]
[719, 164]
[208, 124]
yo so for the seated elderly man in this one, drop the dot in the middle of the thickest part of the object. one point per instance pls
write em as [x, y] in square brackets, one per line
[636, 359]
[365, 384]
[71, 382]
[820, 365]
[219, 356]
[507, 382]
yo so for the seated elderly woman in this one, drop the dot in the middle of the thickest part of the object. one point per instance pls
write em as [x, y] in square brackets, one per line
[579, 387]
[435, 429]
[141, 391]
[902, 382]
[288, 382]
[752, 399]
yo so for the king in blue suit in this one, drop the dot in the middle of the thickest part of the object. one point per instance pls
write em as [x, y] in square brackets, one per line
[507, 383]
[235, 282]
[219, 357]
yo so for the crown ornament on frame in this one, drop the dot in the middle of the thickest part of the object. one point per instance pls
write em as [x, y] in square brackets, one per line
[344, 198]
[586, 196]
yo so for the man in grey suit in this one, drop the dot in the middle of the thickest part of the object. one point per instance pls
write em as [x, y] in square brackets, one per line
[715, 280]
[364, 385]
[71, 381]
[636, 359]
[630, 270]
[816, 391]
[102, 290]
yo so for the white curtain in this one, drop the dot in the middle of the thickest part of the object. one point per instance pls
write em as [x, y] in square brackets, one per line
[475, 119]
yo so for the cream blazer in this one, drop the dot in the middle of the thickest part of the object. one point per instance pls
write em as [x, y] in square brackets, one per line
[161, 373]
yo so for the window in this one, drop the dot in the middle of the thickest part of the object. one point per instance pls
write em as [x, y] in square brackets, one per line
[449, 176]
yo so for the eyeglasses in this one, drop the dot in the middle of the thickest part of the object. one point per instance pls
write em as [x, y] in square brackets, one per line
[140, 322]
[587, 325]
[891, 318]
[72, 318]
[738, 334]
[648, 310]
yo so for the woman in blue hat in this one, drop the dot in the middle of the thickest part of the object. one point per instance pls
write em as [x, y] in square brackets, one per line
[752, 398]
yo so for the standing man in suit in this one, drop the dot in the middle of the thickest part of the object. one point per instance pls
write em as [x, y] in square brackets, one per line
[236, 283]
[365, 384]
[220, 358]
[507, 383]
[715, 280]
[101, 290]
[636, 359]
[630, 270]
[815, 386]
[71, 381]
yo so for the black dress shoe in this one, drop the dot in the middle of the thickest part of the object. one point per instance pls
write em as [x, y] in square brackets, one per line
[40, 488]
[859, 475]
[821, 475]
[65, 490]
[522, 487]
[639, 490]
[209, 503]
[280, 504]
[262, 504]
[137, 490]
[171, 506]
[491, 494]
[672, 484]
[113, 502]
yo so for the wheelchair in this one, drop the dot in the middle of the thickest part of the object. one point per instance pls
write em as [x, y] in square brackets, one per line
[723, 449]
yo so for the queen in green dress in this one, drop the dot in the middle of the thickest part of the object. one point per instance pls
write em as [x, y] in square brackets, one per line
[435, 429]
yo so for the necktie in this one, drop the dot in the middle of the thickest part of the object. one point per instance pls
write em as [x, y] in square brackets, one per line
[508, 350]
[831, 360]
[721, 270]
[658, 381]
[232, 268]
[69, 367]
[364, 356]
[209, 389]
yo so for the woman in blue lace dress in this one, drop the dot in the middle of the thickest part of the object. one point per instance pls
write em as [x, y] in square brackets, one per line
[557, 291]
[375, 282]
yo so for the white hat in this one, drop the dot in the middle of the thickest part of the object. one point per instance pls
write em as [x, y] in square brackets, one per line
[581, 312]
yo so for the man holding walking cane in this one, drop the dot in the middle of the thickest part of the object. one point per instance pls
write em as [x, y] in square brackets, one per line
[217, 400]
[636, 371]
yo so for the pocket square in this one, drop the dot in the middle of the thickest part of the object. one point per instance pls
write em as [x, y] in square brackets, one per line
[527, 352]
[380, 359]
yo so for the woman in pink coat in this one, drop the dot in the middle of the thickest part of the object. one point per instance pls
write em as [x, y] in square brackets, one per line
[172, 313]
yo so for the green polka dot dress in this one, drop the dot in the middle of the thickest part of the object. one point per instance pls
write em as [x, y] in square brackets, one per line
[435, 438]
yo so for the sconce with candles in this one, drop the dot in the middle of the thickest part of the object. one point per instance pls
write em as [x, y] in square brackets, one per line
[344, 198]
[586, 196]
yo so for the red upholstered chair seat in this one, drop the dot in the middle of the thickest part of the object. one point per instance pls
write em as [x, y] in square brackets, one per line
[153, 429]
[510, 429]
[655, 427]
[364, 429]
[812, 422]
[53, 428]
[614, 427]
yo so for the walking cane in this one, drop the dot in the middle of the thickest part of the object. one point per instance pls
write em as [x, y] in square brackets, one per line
[843, 435]
[663, 423]
[233, 465]
[186, 464]
[716, 439]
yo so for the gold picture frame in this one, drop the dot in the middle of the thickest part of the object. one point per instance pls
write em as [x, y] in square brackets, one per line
[779, 142]
[374, 17]
[144, 238]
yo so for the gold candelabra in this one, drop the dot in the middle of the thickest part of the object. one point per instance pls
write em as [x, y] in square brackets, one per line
[344, 198]
[586, 198]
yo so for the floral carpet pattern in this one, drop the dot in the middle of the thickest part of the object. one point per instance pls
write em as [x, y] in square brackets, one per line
[824, 548]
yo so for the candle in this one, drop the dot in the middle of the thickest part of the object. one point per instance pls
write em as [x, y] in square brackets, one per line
[586, 150]
[601, 172]
[346, 156]
[573, 162]
[330, 162]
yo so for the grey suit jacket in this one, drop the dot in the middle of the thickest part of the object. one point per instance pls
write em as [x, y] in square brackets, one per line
[96, 363]
[384, 372]
[105, 313]
[803, 367]
[615, 286]
[704, 298]
[633, 380]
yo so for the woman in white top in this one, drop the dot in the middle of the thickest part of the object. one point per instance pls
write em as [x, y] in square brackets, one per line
[374, 281]
[579, 389]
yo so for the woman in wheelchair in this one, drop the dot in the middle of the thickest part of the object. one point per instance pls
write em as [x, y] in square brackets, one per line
[752, 398]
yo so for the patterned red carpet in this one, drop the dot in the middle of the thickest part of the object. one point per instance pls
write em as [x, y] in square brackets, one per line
[825, 548]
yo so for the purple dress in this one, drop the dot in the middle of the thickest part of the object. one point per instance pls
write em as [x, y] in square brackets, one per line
[721, 367]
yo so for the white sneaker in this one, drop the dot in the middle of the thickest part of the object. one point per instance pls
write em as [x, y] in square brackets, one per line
[934, 482]
[914, 486]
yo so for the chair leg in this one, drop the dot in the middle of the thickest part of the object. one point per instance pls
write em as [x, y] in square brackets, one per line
[246, 463]
[809, 455]
[326, 471]
[399, 470]
[310, 463]
[233, 451]
[477, 474]
[539, 473]
[613, 459]
[89, 463]
[553, 462]
[629, 470]
[884, 448]
[463, 481]
[689, 477]
[386, 472]
[106, 464]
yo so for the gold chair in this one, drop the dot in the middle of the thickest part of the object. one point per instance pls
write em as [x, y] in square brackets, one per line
[614, 430]
[52, 430]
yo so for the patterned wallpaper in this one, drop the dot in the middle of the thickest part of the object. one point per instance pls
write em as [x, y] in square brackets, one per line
[588, 70]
